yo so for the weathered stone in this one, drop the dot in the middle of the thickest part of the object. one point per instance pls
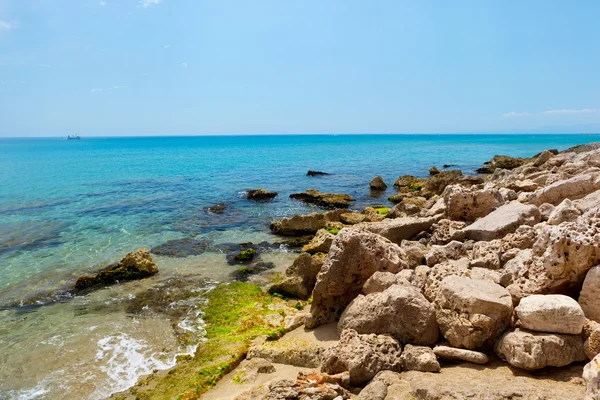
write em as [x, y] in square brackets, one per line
[589, 298]
[320, 243]
[291, 351]
[351, 218]
[434, 171]
[502, 221]
[377, 389]
[398, 229]
[446, 230]
[419, 358]
[260, 194]
[546, 210]
[135, 265]
[467, 204]
[526, 185]
[452, 353]
[487, 255]
[439, 272]
[472, 313]
[559, 260]
[380, 281]
[554, 313]
[400, 311]
[415, 253]
[377, 183]
[535, 350]
[403, 209]
[591, 334]
[305, 224]
[354, 256]
[564, 212]
[436, 184]
[248, 370]
[363, 356]
[523, 238]
[307, 386]
[543, 158]
[591, 376]
[573, 188]
[438, 254]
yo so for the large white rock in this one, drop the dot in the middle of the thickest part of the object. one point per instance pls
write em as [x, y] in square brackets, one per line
[554, 313]
[399, 229]
[564, 212]
[589, 298]
[465, 204]
[472, 313]
[536, 350]
[573, 188]
[502, 221]
[591, 376]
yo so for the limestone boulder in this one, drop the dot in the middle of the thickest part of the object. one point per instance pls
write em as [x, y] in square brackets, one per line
[591, 335]
[445, 231]
[436, 275]
[320, 243]
[536, 350]
[400, 311]
[260, 195]
[472, 313]
[363, 356]
[554, 313]
[415, 252]
[487, 255]
[573, 188]
[546, 210]
[465, 204]
[355, 255]
[419, 358]
[564, 212]
[452, 353]
[438, 254]
[321, 199]
[589, 298]
[502, 221]
[526, 185]
[399, 229]
[352, 218]
[380, 281]
[291, 351]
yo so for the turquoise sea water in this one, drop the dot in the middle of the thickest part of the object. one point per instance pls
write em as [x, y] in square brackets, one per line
[70, 207]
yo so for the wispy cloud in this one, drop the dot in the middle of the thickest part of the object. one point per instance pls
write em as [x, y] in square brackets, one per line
[102, 3]
[149, 3]
[184, 65]
[166, 46]
[554, 112]
[8, 25]
[115, 87]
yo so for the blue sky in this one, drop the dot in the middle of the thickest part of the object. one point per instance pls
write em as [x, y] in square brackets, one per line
[180, 67]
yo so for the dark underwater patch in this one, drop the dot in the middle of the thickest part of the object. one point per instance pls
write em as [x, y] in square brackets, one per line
[181, 248]
[32, 235]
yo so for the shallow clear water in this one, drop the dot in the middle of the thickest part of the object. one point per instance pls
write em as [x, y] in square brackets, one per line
[70, 207]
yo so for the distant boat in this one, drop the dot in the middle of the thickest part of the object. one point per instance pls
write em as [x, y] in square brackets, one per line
[74, 137]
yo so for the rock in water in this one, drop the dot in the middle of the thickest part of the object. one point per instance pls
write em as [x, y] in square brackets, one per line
[363, 356]
[471, 313]
[260, 194]
[315, 173]
[434, 170]
[135, 265]
[354, 256]
[377, 183]
[554, 313]
[325, 200]
[535, 350]
[400, 311]
[305, 224]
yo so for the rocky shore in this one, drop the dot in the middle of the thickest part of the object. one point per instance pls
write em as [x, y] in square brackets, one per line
[470, 287]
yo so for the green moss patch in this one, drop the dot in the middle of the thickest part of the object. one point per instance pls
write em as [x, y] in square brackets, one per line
[245, 255]
[383, 211]
[234, 316]
[333, 231]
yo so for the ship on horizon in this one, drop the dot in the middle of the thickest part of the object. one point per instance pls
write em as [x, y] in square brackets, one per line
[73, 137]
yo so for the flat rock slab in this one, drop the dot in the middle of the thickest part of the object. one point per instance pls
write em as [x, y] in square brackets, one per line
[495, 381]
[399, 229]
[452, 353]
[502, 221]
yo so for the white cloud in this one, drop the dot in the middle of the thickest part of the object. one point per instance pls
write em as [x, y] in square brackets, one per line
[184, 65]
[148, 3]
[94, 90]
[554, 112]
[102, 3]
[166, 46]
[8, 25]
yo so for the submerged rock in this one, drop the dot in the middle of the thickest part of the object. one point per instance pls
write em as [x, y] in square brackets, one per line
[260, 194]
[316, 173]
[181, 248]
[135, 265]
[325, 200]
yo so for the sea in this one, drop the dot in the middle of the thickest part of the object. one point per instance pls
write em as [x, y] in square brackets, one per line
[71, 207]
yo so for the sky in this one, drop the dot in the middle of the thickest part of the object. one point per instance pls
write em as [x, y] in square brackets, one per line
[194, 67]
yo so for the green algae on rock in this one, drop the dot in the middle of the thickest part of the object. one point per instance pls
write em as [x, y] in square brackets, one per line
[235, 314]
[245, 255]
[135, 265]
